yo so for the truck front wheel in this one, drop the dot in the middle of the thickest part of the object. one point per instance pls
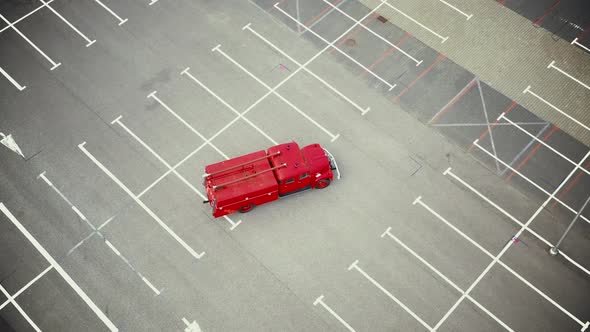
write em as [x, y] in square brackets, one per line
[246, 208]
[321, 184]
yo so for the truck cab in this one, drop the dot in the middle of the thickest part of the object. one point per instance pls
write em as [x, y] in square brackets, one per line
[305, 168]
[239, 184]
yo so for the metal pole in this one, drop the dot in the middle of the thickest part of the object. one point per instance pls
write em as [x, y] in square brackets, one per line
[555, 250]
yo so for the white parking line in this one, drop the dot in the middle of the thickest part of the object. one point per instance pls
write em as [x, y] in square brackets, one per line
[140, 203]
[94, 229]
[88, 41]
[321, 18]
[121, 21]
[496, 259]
[12, 80]
[575, 41]
[503, 116]
[152, 2]
[468, 16]
[375, 34]
[362, 110]
[25, 16]
[485, 113]
[25, 287]
[191, 128]
[552, 65]
[331, 44]
[518, 222]
[444, 39]
[18, 307]
[528, 89]
[525, 149]
[355, 266]
[320, 300]
[59, 269]
[445, 278]
[239, 115]
[53, 63]
[529, 180]
[232, 60]
[182, 178]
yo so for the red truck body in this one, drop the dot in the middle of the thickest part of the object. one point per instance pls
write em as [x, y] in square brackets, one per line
[239, 184]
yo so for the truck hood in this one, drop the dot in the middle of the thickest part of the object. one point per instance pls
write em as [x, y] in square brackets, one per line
[316, 158]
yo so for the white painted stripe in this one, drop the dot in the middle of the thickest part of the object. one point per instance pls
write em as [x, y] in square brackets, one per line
[240, 115]
[415, 21]
[191, 128]
[121, 21]
[232, 60]
[88, 41]
[458, 231]
[12, 80]
[496, 259]
[374, 282]
[485, 124]
[503, 116]
[25, 16]
[445, 278]
[332, 312]
[154, 289]
[525, 149]
[552, 65]
[59, 269]
[468, 86]
[468, 16]
[422, 260]
[375, 34]
[550, 300]
[530, 181]
[25, 287]
[338, 49]
[518, 222]
[152, 2]
[182, 178]
[528, 89]
[83, 217]
[575, 41]
[276, 48]
[53, 63]
[117, 252]
[490, 131]
[22, 312]
[140, 203]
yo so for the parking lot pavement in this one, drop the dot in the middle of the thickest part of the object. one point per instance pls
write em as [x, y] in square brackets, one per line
[441, 221]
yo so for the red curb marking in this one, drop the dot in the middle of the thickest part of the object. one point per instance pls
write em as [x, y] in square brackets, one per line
[571, 184]
[438, 59]
[386, 54]
[540, 19]
[530, 155]
[453, 102]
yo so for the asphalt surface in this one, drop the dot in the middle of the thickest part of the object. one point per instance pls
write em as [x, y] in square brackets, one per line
[147, 253]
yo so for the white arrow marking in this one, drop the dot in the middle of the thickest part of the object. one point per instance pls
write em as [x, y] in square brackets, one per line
[191, 327]
[10, 143]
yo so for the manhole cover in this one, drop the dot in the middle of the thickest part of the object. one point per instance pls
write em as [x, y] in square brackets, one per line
[350, 42]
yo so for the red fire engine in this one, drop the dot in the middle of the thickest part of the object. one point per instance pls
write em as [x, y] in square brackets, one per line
[241, 183]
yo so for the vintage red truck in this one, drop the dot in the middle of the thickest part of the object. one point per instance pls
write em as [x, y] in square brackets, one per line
[239, 184]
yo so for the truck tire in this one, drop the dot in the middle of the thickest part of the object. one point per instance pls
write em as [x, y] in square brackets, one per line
[321, 184]
[246, 208]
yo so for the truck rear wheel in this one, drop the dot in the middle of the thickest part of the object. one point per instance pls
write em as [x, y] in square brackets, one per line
[321, 184]
[246, 208]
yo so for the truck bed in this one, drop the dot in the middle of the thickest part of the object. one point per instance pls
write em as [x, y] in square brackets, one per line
[239, 191]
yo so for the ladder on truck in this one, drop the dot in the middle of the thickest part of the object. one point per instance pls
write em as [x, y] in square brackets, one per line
[216, 187]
